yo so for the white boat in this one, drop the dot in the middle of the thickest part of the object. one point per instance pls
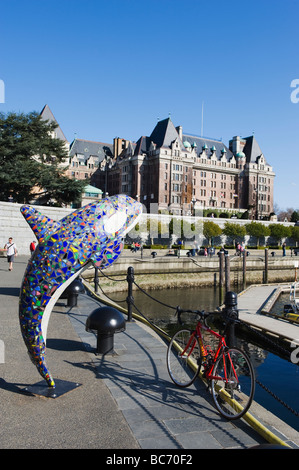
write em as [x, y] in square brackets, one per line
[291, 310]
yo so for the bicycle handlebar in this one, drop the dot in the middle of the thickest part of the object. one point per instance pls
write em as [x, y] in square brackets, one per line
[230, 314]
[201, 313]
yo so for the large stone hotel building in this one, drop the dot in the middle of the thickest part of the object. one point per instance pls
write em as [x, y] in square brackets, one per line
[181, 173]
[178, 172]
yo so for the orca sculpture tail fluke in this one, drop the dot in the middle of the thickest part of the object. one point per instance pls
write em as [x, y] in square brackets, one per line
[37, 352]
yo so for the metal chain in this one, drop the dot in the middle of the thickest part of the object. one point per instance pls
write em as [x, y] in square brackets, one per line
[150, 322]
[112, 300]
[156, 300]
[112, 278]
[277, 398]
[240, 321]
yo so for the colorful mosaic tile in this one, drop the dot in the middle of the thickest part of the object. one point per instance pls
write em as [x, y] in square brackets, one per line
[93, 234]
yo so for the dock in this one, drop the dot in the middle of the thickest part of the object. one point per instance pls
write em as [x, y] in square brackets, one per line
[251, 303]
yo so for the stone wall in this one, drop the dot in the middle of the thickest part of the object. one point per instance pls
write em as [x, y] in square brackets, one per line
[13, 224]
[165, 272]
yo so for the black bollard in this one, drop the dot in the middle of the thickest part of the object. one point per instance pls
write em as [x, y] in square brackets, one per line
[72, 291]
[231, 302]
[105, 321]
[130, 298]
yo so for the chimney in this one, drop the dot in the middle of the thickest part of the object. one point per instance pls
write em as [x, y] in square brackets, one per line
[179, 130]
[119, 145]
[234, 144]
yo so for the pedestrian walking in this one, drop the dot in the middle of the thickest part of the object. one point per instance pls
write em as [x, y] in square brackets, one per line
[11, 252]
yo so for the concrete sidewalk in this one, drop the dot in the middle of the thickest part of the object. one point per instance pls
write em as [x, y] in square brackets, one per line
[125, 400]
[87, 417]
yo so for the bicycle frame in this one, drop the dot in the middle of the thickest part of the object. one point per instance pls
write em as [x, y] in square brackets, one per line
[226, 370]
[220, 348]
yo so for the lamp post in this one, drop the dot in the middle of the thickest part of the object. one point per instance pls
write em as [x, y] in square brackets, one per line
[108, 165]
[193, 202]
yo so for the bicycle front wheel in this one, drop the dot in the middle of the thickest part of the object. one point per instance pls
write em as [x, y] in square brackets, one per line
[233, 383]
[183, 358]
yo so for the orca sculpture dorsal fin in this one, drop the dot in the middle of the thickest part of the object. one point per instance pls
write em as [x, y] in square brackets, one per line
[41, 225]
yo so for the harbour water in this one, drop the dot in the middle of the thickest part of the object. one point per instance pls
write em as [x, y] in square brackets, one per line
[278, 375]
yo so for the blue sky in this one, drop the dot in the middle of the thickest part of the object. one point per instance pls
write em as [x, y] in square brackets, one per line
[113, 68]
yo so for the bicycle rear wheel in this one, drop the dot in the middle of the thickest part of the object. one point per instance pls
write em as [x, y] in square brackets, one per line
[183, 358]
[234, 387]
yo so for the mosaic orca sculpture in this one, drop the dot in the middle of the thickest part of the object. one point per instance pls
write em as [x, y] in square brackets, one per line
[92, 234]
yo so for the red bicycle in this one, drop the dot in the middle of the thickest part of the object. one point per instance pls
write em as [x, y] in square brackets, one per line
[227, 370]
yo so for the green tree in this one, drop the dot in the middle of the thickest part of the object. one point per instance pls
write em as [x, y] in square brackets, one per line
[295, 216]
[211, 230]
[258, 230]
[234, 230]
[32, 162]
[279, 231]
[295, 234]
